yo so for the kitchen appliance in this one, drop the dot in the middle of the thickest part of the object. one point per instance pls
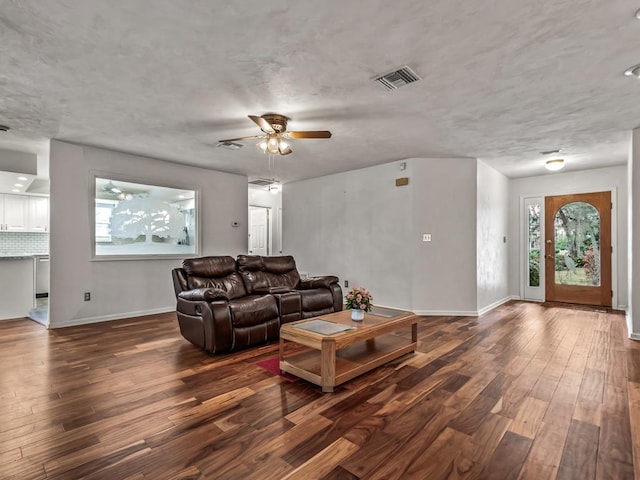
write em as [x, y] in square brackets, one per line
[42, 276]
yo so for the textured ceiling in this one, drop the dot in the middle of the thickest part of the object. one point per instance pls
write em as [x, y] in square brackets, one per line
[502, 80]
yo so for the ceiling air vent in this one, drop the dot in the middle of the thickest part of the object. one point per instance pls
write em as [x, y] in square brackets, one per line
[230, 145]
[398, 78]
[262, 182]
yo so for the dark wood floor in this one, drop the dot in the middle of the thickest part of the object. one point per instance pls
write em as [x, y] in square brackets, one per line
[525, 391]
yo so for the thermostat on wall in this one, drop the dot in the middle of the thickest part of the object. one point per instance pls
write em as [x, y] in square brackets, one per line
[235, 224]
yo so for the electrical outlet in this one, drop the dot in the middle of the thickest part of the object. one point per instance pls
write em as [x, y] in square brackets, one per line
[346, 283]
[87, 296]
[426, 237]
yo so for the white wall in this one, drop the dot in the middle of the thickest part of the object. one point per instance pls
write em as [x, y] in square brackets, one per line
[444, 204]
[633, 236]
[355, 225]
[360, 226]
[601, 179]
[260, 197]
[492, 228]
[133, 287]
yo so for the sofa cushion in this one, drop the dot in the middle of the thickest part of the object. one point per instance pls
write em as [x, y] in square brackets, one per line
[316, 299]
[252, 310]
[263, 273]
[209, 266]
[214, 272]
[231, 284]
[282, 264]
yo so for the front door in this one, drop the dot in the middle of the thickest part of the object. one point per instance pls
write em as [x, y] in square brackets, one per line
[578, 248]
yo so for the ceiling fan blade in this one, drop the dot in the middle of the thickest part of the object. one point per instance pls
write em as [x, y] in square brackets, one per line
[240, 138]
[285, 151]
[310, 134]
[263, 124]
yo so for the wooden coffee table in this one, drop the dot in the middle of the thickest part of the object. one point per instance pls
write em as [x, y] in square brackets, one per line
[332, 359]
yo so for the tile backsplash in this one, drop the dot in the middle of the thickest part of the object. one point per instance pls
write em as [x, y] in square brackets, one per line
[24, 243]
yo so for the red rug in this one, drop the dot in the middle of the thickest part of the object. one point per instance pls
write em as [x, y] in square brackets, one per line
[272, 365]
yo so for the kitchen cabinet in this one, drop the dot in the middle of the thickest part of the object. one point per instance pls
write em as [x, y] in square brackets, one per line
[14, 214]
[24, 213]
[38, 214]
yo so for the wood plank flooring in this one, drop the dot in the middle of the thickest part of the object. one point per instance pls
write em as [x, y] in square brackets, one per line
[526, 391]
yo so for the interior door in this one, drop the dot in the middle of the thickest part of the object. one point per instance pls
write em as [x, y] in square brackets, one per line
[578, 248]
[259, 230]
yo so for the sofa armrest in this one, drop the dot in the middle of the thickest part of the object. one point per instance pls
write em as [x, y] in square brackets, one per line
[273, 290]
[206, 324]
[317, 282]
[204, 294]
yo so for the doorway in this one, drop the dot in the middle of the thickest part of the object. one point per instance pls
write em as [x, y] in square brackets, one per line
[259, 231]
[577, 248]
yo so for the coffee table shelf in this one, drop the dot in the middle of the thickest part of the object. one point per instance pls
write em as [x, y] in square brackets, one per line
[334, 359]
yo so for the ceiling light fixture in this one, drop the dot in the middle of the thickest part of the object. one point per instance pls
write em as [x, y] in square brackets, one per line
[273, 189]
[274, 144]
[554, 164]
[15, 190]
[18, 185]
[638, 14]
[23, 179]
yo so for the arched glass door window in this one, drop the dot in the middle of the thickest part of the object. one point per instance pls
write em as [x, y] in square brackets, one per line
[577, 245]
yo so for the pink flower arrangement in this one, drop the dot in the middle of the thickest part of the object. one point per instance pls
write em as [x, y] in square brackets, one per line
[359, 299]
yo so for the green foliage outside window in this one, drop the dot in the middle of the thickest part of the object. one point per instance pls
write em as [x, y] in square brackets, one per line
[534, 268]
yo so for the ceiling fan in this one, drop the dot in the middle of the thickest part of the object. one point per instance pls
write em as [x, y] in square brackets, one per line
[275, 134]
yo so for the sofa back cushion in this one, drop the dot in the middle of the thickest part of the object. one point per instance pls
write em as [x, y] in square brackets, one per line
[261, 273]
[214, 272]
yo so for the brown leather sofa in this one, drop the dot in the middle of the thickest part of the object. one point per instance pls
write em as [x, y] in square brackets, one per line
[224, 305]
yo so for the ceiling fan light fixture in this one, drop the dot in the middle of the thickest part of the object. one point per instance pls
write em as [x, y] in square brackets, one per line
[554, 164]
[273, 139]
[111, 188]
[271, 144]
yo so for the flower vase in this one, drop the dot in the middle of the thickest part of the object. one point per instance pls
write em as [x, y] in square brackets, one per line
[357, 315]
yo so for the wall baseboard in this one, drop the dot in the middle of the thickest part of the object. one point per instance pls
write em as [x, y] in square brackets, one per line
[445, 313]
[488, 308]
[107, 318]
[466, 313]
[627, 317]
